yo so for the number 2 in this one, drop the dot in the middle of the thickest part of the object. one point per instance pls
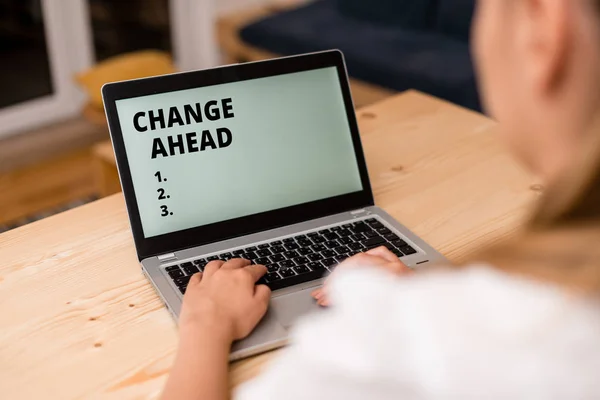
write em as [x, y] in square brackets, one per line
[161, 195]
[165, 211]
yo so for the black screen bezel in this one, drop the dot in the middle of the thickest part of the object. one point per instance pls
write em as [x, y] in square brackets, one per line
[166, 243]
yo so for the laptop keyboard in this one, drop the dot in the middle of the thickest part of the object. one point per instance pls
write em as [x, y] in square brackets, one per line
[305, 257]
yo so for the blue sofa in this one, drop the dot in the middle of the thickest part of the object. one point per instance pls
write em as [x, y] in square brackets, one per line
[397, 44]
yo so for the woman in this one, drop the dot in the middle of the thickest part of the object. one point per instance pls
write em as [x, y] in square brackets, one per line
[522, 320]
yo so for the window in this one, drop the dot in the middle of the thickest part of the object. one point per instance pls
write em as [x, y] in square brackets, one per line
[44, 43]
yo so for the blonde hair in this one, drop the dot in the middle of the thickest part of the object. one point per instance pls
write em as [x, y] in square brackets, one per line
[561, 241]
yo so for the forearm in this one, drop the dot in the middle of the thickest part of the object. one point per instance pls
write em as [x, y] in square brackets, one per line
[201, 367]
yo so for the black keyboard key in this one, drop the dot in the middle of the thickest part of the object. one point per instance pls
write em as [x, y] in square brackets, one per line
[384, 231]
[340, 258]
[374, 242]
[291, 254]
[298, 279]
[390, 237]
[272, 277]
[304, 242]
[182, 289]
[176, 273]
[341, 250]
[317, 248]
[300, 237]
[318, 239]
[312, 234]
[277, 249]
[301, 269]
[301, 260]
[291, 246]
[335, 228]
[172, 268]
[263, 252]
[358, 237]
[314, 257]
[286, 272]
[344, 232]
[201, 267]
[264, 246]
[360, 227]
[277, 257]
[389, 246]
[191, 269]
[398, 253]
[276, 243]
[289, 240]
[249, 256]
[328, 253]
[226, 256]
[250, 249]
[331, 236]
[262, 261]
[273, 267]
[238, 252]
[399, 243]
[323, 231]
[377, 225]
[355, 246]
[316, 266]
[408, 250]
[201, 262]
[329, 262]
[287, 264]
[346, 240]
[182, 281]
[332, 244]
[304, 251]
[370, 234]
[212, 258]
[371, 220]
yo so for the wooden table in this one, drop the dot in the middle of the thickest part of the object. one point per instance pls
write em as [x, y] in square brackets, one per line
[79, 320]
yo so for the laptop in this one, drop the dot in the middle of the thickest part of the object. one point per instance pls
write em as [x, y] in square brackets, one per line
[261, 161]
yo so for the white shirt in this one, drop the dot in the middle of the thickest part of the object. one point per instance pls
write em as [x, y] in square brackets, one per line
[469, 334]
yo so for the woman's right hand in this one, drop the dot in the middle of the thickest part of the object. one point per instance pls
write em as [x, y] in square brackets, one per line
[380, 257]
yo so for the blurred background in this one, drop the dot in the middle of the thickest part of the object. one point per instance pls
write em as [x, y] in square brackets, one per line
[55, 152]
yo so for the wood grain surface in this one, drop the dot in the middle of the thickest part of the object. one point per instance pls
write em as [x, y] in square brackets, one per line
[79, 320]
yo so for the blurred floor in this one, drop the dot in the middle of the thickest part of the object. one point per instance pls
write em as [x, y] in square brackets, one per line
[47, 213]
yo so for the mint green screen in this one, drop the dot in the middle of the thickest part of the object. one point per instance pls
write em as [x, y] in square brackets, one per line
[290, 144]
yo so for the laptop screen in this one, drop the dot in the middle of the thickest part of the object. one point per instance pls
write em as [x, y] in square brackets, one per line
[210, 154]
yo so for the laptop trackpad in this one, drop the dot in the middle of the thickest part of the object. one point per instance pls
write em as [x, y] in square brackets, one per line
[290, 307]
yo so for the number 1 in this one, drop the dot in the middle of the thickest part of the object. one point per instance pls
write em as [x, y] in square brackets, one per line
[157, 174]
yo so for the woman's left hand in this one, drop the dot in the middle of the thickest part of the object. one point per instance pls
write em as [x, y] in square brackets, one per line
[380, 257]
[225, 299]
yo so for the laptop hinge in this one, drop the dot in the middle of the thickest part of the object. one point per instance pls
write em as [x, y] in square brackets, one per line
[167, 257]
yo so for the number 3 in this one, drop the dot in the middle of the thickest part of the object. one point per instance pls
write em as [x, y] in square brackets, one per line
[165, 211]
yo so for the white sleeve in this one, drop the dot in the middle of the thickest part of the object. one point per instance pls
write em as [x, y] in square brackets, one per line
[470, 334]
[343, 352]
